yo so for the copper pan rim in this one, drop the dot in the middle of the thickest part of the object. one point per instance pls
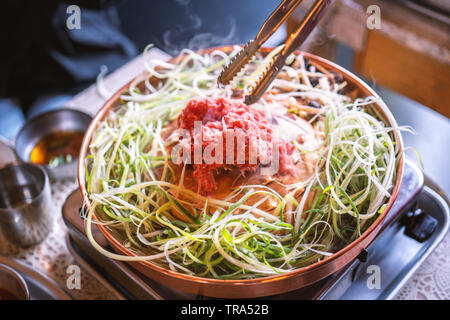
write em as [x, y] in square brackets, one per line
[262, 286]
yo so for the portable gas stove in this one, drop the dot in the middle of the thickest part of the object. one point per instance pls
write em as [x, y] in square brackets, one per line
[417, 222]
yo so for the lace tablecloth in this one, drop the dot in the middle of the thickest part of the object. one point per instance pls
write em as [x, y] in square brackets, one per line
[52, 256]
[431, 281]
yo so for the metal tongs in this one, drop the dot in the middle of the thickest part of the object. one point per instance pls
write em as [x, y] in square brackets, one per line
[294, 40]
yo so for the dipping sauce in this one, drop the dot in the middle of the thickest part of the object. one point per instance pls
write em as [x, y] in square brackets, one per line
[7, 295]
[57, 148]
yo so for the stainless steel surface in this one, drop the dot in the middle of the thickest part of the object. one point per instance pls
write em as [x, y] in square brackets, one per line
[33, 131]
[12, 282]
[25, 203]
[276, 19]
[40, 286]
[293, 42]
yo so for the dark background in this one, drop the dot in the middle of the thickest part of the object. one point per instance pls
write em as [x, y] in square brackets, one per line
[41, 56]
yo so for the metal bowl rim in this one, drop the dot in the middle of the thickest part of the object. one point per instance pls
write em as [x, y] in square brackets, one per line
[37, 118]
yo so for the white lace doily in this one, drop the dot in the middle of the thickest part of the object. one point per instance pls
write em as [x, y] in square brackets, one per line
[52, 256]
[432, 280]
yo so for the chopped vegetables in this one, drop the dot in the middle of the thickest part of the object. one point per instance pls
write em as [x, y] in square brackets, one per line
[136, 193]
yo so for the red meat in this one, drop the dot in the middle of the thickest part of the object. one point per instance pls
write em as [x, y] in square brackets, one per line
[220, 119]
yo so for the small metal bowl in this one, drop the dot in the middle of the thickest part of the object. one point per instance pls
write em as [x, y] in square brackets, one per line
[63, 120]
[13, 283]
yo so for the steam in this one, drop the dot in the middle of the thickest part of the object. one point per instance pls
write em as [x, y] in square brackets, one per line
[174, 40]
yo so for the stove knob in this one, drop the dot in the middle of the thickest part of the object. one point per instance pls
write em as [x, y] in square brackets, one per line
[419, 225]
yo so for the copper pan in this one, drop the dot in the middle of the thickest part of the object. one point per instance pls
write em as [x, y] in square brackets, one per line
[265, 286]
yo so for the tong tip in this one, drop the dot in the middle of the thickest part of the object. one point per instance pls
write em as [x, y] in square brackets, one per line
[236, 63]
[264, 80]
